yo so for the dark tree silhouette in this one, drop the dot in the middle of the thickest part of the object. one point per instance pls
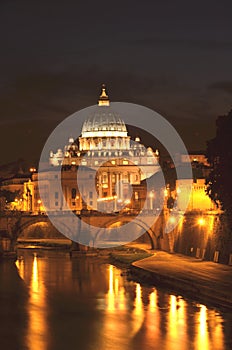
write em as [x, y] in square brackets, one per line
[219, 154]
[8, 195]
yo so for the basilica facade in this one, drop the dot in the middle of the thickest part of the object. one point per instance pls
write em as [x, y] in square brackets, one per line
[107, 160]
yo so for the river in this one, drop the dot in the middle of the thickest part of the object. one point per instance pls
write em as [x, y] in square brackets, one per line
[51, 302]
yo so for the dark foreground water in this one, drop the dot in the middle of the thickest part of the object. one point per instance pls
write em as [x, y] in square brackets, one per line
[82, 303]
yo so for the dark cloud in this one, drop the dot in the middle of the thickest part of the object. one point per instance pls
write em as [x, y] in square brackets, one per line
[225, 86]
[164, 55]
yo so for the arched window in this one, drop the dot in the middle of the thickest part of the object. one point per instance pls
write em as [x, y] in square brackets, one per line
[104, 178]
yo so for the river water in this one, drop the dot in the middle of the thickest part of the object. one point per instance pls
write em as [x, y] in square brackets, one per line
[51, 302]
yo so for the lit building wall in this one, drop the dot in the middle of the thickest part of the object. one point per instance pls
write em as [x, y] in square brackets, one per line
[198, 199]
[29, 196]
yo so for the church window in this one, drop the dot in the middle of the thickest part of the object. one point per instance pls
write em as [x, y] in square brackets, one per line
[104, 178]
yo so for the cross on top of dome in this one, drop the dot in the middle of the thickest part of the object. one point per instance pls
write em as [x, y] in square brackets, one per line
[103, 99]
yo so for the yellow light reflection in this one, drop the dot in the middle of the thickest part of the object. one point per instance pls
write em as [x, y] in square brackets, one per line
[138, 313]
[37, 330]
[182, 316]
[173, 331]
[111, 296]
[153, 320]
[215, 323]
[138, 299]
[202, 336]
[35, 276]
[176, 324]
[20, 266]
[121, 299]
[153, 301]
[115, 298]
[114, 327]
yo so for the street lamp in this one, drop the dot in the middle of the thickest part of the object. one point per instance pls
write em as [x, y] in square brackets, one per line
[39, 204]
[172, 220]
[201, 221]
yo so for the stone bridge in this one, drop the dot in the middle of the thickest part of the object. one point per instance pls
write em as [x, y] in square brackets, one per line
[91, 234]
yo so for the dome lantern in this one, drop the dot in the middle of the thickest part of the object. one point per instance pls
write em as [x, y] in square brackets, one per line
[103, 99]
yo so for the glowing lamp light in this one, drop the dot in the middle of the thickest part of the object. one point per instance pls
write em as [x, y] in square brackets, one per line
[172, 220]
[201, 221]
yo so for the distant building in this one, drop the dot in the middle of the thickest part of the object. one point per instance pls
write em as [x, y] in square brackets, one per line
[198, 200]
[15, 185]
[195, 158]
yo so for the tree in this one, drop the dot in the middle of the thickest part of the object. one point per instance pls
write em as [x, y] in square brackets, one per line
[219, 154]
[8, 195]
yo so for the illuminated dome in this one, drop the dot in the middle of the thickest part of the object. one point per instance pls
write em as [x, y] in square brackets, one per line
[104, 122]
[104, 129]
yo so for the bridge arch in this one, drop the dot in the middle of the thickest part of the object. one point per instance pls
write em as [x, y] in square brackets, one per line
[125, 220]
[29, 221]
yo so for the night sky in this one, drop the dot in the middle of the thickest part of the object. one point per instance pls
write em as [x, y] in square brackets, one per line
[172, 56]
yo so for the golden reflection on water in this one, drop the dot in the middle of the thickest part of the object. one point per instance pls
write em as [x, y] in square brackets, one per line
[133, 317]
[121, 320]
[138, 312]
[215, 323]
[20, 266]
[173, 321]
[111, 296]
[209, 332]
[202, 340]
[176, 324]
[153, 301]
[37, 332]
[153, 319]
